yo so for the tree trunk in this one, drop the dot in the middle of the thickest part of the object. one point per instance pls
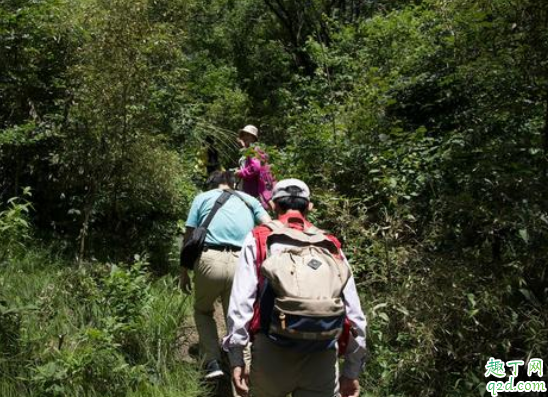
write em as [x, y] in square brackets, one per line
[545, 140]
[17, 172]
[84, 231]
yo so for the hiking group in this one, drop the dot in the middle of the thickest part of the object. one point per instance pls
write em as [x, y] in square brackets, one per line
[287, 291]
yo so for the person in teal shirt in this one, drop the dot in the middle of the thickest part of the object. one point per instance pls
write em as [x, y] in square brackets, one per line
[232, 222]
[214, 272]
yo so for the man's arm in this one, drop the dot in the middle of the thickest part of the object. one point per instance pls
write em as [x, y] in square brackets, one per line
[191, 224]
[240, 313]
[184, 278]
[260, 214]
[242, 299]
[354, 359]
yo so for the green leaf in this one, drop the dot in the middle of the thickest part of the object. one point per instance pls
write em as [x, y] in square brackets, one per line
[384, 316]
[524, 234]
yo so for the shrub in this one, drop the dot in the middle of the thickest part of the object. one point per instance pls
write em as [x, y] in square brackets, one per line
[14, 226]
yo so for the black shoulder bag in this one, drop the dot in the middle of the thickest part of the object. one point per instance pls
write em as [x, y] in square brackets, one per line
[192, 249]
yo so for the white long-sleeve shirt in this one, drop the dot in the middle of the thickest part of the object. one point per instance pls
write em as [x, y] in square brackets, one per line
[240, 311]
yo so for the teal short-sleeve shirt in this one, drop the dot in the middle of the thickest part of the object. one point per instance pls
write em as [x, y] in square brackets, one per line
[231, 223]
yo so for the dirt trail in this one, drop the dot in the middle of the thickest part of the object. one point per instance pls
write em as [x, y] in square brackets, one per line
[189, 350]
[189, 335]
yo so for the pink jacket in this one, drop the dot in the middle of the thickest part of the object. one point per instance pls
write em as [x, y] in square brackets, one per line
[249, 172]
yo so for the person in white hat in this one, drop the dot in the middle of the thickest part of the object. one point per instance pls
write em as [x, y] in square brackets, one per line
[248, 135]
[290, 354]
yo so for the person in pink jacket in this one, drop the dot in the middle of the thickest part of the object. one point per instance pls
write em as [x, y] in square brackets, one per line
[254, 173]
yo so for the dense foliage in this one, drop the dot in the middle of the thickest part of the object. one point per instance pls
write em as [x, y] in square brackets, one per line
[422, 127]
[92, 331]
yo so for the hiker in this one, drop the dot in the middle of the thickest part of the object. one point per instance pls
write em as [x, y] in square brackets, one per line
[293, 294]
[214, 272]
[254, 172]
[212, 162]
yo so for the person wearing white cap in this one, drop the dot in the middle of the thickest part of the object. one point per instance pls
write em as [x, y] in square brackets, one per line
[292, 353]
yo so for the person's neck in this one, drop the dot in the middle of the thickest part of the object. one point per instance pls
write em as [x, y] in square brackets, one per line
[291, 213]
[223, 186]
[294, 217]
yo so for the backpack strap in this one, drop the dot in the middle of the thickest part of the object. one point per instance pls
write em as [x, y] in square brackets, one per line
[275, 225]
[315, 237]
[335, 241]
[221, 200]
[260, 234]
[313, 230]
[237, 194]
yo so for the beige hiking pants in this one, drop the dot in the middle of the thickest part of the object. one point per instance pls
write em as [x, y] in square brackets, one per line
[212, 279]
[278, 371]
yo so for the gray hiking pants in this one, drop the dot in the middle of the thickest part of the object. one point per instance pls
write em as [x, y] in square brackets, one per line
[278, 371]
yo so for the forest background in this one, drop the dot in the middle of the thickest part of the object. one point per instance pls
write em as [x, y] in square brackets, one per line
[421, 127]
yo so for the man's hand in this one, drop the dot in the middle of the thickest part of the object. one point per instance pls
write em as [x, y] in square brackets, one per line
[240, 377]
[349, 387]
[184, 281]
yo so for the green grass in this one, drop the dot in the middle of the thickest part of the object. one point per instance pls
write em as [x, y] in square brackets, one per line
[97, 330]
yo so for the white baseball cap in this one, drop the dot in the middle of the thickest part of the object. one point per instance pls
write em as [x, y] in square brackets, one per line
[301, 189]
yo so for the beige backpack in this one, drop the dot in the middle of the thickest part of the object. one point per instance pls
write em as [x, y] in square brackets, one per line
[306, 280]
